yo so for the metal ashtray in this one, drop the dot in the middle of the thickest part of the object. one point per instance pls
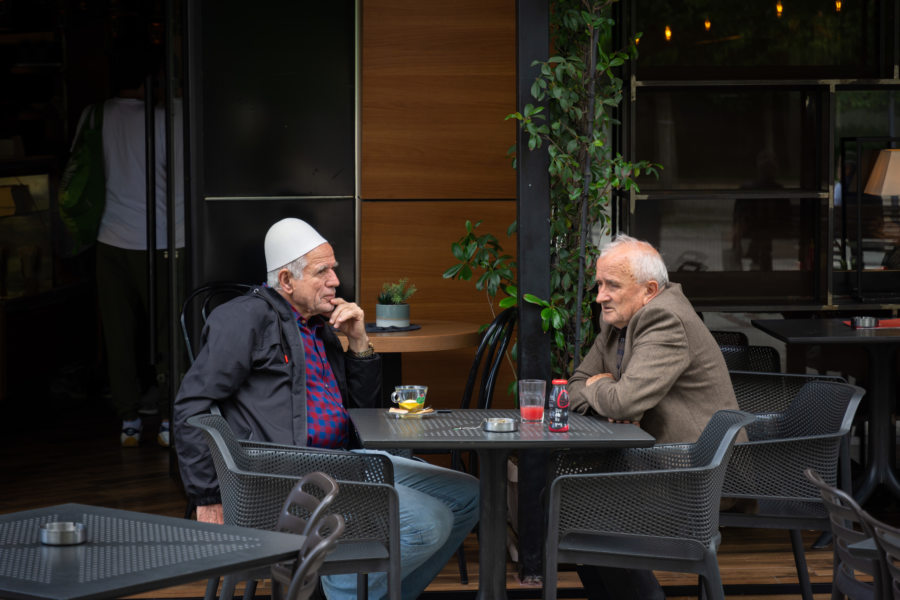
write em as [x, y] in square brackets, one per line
[62, 533]
[500, 424]
[864, 322]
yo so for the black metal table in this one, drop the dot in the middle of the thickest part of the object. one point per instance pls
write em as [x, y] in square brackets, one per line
[125, 552]
[460, 430]
[881, 348]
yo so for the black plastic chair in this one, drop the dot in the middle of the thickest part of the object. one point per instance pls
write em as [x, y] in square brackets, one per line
[849, 526]
[304, 513]
[642, 508]
[301, 576]
[800, 422]
[485, 367]
[205, 298]
[255, 478]
[730, 338]
[761, 359]
[888, 540]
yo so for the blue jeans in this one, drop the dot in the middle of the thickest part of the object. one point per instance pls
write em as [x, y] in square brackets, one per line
[438, 509]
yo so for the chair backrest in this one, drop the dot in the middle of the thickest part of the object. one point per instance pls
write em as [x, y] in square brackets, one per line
[488, 357]
[306, 503]
[849, 526]
[888, 540]
[301, 576]
[808, 433]
[762, 359]
[761, 393]
[205, 298]
[730, 338]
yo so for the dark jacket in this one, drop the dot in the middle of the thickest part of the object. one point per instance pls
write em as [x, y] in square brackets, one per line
[241, 368]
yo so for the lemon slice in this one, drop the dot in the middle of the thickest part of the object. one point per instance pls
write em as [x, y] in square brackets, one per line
[411, 405]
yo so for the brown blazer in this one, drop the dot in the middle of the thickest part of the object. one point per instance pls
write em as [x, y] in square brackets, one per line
[673, 375]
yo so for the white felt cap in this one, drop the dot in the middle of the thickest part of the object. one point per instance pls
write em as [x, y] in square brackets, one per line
[288, 240]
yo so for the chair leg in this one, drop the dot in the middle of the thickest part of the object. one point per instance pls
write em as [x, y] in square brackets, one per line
[800, 562]
[228, 584]
[362, 586]
[712, 579]
[212, 586]
[250, 589]
[463, 568]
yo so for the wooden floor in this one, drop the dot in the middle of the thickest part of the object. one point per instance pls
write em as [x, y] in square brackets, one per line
[69, 452]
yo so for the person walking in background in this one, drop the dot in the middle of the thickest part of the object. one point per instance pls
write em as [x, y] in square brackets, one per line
[121, 253]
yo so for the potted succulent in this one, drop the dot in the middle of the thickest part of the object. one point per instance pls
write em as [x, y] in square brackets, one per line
[392, 309]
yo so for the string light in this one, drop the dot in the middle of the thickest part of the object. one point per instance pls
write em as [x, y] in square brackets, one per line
[668, 33]
[707, 24]
[778, 8]
[837, 5]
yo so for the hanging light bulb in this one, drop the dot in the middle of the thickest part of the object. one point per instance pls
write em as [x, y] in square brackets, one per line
[707, 24]
[637, 41]
[668, 33]
[837, 5]
[778, 8]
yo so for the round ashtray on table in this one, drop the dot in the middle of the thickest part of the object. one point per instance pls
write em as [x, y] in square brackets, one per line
[62, 533]
[864, 322]
[500, 425]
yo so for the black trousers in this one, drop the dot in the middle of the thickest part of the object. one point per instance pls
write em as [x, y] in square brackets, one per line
[611, 583]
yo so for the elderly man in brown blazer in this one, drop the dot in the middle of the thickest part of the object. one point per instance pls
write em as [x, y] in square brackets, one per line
[655, 363]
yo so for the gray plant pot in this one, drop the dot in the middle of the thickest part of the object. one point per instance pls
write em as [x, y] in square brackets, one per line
[392, 315]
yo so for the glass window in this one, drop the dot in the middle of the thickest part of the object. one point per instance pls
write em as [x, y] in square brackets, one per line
[718, 247]
[866, 247]
[729, 39]
[734, 138]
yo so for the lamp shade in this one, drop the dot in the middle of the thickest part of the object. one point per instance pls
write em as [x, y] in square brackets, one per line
[885, 178]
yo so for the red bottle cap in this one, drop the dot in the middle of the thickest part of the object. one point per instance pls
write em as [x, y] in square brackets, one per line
[560, 381]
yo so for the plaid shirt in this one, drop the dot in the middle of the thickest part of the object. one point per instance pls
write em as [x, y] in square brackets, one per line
[326, 418]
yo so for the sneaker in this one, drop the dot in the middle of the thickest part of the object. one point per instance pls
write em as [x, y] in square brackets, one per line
[131, 437]
[162, 438]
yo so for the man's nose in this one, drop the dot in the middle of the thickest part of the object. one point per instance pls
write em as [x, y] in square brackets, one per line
[602, 296]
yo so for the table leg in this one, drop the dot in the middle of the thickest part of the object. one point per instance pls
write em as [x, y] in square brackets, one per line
[881, 395]
[492, 524]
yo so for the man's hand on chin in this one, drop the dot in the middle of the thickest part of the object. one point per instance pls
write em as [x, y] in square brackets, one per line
[349, 319]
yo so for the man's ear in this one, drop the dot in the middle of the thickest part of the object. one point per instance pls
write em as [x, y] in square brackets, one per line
[284, 279]
[651, 289]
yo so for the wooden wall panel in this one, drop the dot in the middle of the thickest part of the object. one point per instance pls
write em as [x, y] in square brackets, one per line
[412, 239]
[438, 78]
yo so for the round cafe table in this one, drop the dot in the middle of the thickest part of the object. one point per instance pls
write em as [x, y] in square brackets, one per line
[432, 336]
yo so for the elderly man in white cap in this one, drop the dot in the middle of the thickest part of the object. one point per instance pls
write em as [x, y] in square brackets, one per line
[272, 363]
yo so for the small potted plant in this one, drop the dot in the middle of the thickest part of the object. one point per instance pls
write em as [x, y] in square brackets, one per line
[392, 309]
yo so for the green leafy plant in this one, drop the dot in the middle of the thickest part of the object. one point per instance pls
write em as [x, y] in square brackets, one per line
[581, 89]
[396, 293]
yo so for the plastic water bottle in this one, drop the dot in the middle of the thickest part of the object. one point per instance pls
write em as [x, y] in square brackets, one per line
[559, 406]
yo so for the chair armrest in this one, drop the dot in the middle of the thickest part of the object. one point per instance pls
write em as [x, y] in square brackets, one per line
[339, 464]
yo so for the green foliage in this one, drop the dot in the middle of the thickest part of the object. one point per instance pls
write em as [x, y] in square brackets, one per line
[396, 293]
[581, 89]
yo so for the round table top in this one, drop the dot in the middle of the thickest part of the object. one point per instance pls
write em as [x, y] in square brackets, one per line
[432, 336]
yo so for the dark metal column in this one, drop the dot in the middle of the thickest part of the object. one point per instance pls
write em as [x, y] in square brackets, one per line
[533, 215]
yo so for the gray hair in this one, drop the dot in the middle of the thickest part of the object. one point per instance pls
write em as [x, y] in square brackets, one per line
[295, 267]
[645, 261]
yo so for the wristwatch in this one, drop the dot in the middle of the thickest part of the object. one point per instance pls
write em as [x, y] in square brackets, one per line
[370, 351]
